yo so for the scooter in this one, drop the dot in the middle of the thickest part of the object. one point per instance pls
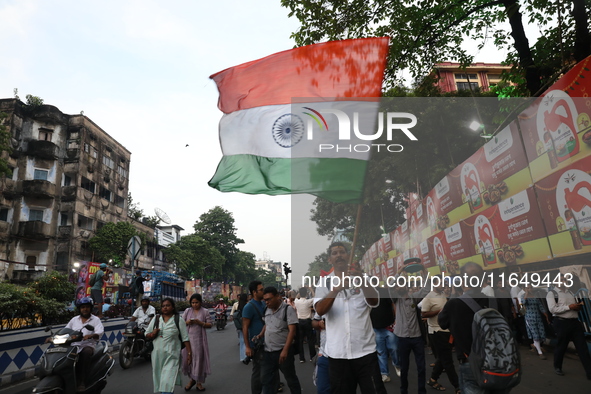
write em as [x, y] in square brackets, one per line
[220, 319]
[58, 365]
[135, 344]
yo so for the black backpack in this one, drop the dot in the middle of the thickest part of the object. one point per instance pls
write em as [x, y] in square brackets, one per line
[494, 357]
[237, 317]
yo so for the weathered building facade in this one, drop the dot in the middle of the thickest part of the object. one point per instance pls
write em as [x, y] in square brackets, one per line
[69, 178]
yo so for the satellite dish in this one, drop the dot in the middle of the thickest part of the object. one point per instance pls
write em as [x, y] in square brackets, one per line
[162, 215]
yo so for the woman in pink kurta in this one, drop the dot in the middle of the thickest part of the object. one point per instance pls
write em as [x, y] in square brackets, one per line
[197, 319]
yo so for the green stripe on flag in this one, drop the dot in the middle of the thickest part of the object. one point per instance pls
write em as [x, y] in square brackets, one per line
[334, 179]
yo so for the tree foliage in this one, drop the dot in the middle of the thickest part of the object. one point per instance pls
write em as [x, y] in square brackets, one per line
[133, 209]
[54, 285]
[216, 226]
[21, 305]
[424, 32]
[320, 263]
[192, 254]
[110, 242]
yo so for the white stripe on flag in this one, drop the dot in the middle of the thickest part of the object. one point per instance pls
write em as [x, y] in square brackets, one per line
[252, 131]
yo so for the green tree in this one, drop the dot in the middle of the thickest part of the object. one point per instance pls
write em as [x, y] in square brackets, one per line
[192, 254]
[244, 271]
[424, 32]
[320, 263]
[268, 278]
[54, 285]
[216, 226]
[110, 242]
[133, 209]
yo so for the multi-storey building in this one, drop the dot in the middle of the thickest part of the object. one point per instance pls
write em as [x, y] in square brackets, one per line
[451, 77]
[69, 178]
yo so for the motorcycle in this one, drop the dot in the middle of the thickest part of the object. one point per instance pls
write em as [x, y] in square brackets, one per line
[220, 319]
[135, 344]
[58, 365]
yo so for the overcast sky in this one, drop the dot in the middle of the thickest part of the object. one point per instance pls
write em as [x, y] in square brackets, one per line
[139, 69]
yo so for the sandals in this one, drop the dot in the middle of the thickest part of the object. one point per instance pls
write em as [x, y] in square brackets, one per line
[190, 386]
[435, 385]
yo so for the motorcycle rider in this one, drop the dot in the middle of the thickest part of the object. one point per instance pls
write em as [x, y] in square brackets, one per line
[221, 306]
[142, 315]
[85, 348]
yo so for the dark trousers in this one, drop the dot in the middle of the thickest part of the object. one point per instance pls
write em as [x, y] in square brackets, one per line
[345, 375]
[83, 364]
[571, 330]
[256, 387]
[269, 373]
[307, 333]
[417, 346]
[443, 357]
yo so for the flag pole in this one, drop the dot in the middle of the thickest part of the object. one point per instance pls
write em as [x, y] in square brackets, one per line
[357, 224]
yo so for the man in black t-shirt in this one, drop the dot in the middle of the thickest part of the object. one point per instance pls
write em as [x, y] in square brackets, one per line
[139, 286]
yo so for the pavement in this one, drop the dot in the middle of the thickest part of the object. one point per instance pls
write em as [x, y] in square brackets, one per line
[229, 375]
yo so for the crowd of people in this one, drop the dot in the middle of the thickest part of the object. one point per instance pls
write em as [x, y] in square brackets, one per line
[353, 333]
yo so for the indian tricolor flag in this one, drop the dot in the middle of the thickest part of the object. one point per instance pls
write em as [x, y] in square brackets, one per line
[298, 121]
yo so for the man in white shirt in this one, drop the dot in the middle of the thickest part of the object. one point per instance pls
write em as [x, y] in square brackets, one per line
[142, 315]
[565, 309]
[305, 310]
[89, 339]
[350, 339]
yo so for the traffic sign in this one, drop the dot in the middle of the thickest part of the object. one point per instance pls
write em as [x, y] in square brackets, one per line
[133, 248]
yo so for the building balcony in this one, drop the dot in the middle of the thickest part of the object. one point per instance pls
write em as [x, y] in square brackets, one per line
[43, 149]
[34, 229]
[69, 193]
[38, 188]
[8, 188]
[72, 155]
[64, 231]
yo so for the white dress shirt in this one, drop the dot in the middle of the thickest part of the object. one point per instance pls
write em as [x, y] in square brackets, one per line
[76, 324]
[349, 333]
[560, 308]
[142, 317]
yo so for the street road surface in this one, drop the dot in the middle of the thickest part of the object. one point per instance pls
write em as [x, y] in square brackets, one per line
[230, 376]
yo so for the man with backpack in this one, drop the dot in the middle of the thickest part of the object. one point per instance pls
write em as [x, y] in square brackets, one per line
[280, 332]
[252, 330]
[478, 362]
[565, 311]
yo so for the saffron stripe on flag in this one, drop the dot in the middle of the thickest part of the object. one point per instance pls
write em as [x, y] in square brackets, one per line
[334, 179]
[341, 69]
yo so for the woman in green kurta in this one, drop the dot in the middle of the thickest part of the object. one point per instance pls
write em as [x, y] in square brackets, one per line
[166, 356]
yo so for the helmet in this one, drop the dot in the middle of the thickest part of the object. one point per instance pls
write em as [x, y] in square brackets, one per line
[138, 272]
[84, 301]
[147, 298]
[103, 265]
[221, 299]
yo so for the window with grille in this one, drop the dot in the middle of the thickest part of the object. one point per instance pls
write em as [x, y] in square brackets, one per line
[4, 214]
[40, 175]
[45, 134]
[105, 193]
[467, 85]
[85, 223]
[36, 214]
[87, 184]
